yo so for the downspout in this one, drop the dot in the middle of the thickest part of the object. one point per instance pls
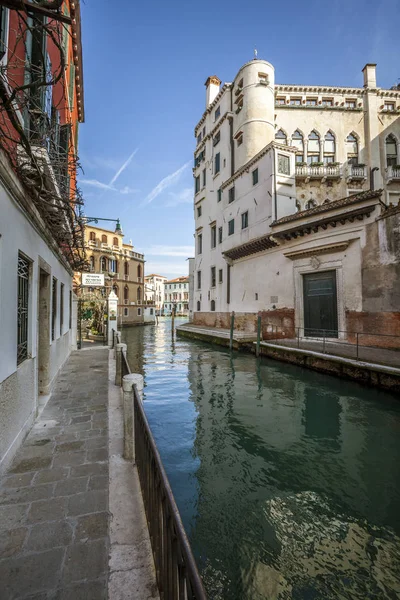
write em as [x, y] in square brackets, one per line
[371, 177]
[231, 137]
[275, 195]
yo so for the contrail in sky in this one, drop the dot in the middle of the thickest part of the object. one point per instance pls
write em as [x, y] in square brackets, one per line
[122, 169]
[164, 183]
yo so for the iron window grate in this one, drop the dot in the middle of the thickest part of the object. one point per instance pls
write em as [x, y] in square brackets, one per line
[23, 307]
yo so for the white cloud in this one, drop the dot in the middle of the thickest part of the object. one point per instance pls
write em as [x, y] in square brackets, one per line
[183, 197]
[165, 183]
[169, 270]
[128, 190]
[185, 251]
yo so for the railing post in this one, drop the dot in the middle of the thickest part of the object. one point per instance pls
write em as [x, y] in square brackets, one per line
[298, 337]
[129, 382]
[357, 345]
[232, 328]
[258, 334]
[120, 348]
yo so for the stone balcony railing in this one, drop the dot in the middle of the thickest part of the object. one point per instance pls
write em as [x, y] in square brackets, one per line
[356, 173]
[392, 174]
[324, 172]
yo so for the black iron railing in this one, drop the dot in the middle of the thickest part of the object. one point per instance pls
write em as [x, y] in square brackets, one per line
[176, 569]
[361, 345]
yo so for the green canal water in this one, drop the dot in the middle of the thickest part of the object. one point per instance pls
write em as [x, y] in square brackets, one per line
[287, 480]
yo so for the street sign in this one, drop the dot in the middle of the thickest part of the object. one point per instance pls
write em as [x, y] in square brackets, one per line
[93, 279]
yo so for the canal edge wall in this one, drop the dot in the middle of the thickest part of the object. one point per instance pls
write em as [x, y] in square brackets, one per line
[370, 374]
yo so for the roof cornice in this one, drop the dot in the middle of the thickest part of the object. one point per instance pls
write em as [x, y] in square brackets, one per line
[255, 159]
[225, 87]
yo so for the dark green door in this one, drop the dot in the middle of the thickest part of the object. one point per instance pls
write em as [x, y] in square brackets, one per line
[320, 304]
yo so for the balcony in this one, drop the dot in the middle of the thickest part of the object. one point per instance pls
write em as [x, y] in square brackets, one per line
[393, 173]
[356, 173]
[324, 172]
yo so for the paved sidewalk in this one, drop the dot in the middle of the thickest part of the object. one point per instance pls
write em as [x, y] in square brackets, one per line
[54, 498]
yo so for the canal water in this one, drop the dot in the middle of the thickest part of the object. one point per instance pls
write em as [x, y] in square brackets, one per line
[287, 480]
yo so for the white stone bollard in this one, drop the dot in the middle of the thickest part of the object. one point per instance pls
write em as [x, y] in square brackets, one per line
[128, 383]
[121, 348]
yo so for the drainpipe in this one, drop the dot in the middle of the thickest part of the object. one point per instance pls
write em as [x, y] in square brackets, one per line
[274, 178]
[371, 177]
[231, 137]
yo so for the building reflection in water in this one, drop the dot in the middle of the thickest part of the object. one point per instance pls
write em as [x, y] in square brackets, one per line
[259, 450]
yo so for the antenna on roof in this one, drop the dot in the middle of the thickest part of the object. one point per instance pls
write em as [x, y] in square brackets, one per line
[255, 53]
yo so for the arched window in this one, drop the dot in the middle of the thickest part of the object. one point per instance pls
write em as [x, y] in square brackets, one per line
[92, 263]
[126, 269]
[113, 265]
[280, 137]
[139, 271]
[352, 149]
[298, 142]
[139, 294]
[92, 236]
[198, 305]
[116, 290]
[310, 204]
[391, 151]
[213, 305]
[104, 239]
[126, 294]
[329, 148]
[115, 241]
[103, 264]
[313, 149]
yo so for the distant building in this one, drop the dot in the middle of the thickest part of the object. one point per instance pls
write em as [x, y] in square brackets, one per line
[154, 290]
[285, 221]
[123, 268]
[176, 294]
[41, 242]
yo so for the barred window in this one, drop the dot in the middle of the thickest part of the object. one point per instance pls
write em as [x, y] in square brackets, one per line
[54, 309]
[70, 310]
[23, 306]
[61, 308]
[283, 164]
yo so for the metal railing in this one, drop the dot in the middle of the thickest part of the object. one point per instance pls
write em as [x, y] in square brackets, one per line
[176, 569]
[359, 345]
[177, 575]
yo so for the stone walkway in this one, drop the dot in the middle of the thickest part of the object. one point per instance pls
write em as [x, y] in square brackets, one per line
[54, 498]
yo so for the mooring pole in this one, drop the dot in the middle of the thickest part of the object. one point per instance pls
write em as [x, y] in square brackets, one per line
[258, 334]
[232, 328]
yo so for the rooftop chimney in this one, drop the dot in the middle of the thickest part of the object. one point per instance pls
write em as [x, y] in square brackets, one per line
[370, 75]
[212, 89]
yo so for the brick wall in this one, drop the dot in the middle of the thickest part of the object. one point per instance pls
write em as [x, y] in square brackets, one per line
[282, 318]
[370, 324]
[278, 324]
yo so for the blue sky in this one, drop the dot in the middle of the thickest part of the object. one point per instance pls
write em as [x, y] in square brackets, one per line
[145, 64]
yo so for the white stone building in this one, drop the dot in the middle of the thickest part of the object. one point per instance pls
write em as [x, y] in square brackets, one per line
[282, 207]
[176, 294]
[154, 290]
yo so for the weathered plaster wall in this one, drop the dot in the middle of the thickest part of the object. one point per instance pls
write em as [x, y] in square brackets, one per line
[18, 384]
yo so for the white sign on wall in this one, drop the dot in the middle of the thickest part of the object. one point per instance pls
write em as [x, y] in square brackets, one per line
[93, 279]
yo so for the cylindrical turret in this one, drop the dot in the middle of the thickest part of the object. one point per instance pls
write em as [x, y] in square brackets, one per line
[253, 107]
